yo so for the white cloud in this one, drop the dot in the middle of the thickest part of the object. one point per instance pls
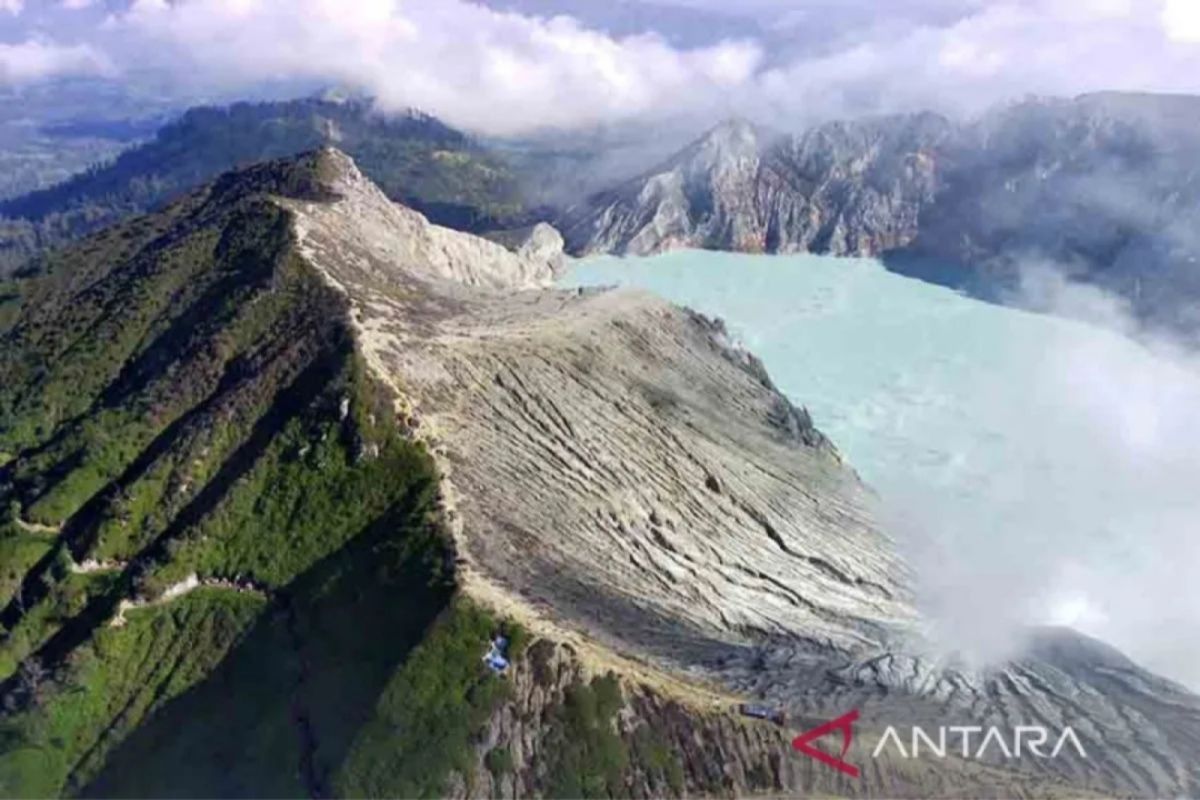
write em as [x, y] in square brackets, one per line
[1065, 495]
[1181, 20]
[475, 67]
[507, 73]
[1003, 51]
[12, 6]
[34, 59]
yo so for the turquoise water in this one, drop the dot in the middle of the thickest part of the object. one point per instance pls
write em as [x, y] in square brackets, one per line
[1035, 469]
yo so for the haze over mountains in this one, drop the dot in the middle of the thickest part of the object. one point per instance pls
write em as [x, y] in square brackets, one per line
[278, 401]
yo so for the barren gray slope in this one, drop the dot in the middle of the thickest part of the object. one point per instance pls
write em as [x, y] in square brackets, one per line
[618, 462]
[620, 468]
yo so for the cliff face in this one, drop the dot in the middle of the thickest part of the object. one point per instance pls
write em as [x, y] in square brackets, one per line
[842, 188]
[280, 461]
[851, 188]
[659, 747]
[662, 747]
[1105, 187]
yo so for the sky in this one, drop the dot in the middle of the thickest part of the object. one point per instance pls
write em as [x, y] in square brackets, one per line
[515, 66]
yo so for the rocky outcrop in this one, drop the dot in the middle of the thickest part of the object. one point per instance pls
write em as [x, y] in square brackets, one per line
[373, 231]
[851, 188]
[541, 242]
[700, 751]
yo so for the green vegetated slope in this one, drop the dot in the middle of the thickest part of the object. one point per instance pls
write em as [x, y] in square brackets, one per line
[414, 158]
[221, 561]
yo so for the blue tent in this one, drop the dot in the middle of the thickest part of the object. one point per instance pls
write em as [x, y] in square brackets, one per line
[496, 657]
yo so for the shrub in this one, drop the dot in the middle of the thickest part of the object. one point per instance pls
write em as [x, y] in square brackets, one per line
[588, 755]
[499, 761]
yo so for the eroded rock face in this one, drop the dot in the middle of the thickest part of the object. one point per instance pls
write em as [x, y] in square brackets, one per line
[842, 188]
[617, 474]
[682, 749]
[672, 750]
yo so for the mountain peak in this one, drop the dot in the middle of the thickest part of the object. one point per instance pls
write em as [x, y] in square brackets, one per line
[406, 153]
[330, 157]
[324, 174]
[735, 136]
[297, 423]
[732, 127]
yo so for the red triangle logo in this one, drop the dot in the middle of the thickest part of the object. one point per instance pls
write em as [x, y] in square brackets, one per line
[844, 724]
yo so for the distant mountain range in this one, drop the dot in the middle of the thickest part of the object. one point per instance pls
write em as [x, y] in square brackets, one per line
[50, 131]
[1106, 187]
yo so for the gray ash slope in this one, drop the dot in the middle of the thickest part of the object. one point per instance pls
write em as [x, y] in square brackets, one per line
[1104, 186]
[623, 474]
